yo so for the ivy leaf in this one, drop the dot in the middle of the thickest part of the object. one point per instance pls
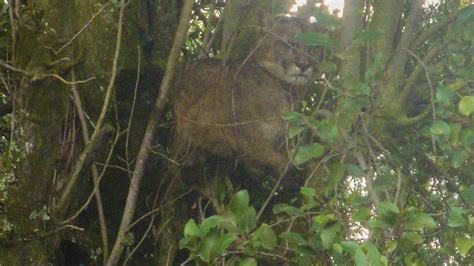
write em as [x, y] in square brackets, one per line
[308, 152]
[466, 105]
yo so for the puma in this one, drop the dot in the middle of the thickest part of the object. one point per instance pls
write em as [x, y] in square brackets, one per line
[235, 110]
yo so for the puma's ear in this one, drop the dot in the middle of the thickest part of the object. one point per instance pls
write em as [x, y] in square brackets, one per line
[264, 18]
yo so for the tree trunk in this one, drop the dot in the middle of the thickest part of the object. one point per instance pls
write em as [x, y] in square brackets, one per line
[47, 44]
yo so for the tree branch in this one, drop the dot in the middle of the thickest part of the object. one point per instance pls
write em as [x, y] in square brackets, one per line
[150, 132]
[95, 172]
[96, 135]
[352, 24]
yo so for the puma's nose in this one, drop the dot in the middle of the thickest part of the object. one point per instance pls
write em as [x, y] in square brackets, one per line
[303, 65]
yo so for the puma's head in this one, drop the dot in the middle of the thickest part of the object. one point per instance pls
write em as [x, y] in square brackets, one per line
[280, 55]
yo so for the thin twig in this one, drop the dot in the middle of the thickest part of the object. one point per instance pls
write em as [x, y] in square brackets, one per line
[275, 187]
[96, 186]
[83, 28]
[150, 132]
[95, 172]
[58, 77]
[71, 183]
[42, 75]
[14, 69]
[399, 186]
[368, 178]
[433, 107]
[129, 126]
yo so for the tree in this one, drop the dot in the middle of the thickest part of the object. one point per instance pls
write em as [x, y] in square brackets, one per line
[393, 112]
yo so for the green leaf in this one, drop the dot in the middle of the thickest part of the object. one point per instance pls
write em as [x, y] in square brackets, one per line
[192, 229]
[354, 170]
[467, 138]
[328, 234]
[265, 236]
[375, 259]
[293, 237]
[248, 219]
[239, 202]
[444, 95]
[337, 248]
[294, 131]
[377, 224]
[388, 209]
[323, 219]
[308, 152]
[360, 258]
[413, 237]
[421, 220]
[350, 246]
[313, 39]
[214, 244]
[392, 245]
[464, 244]
[336, 173]
[468, 195]
[285, 208]
[460, 157]
[210, 222]
[248, 262]
[308, 191]
[456, 217]
[439, 127]
[361, 215]
[466, 105]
